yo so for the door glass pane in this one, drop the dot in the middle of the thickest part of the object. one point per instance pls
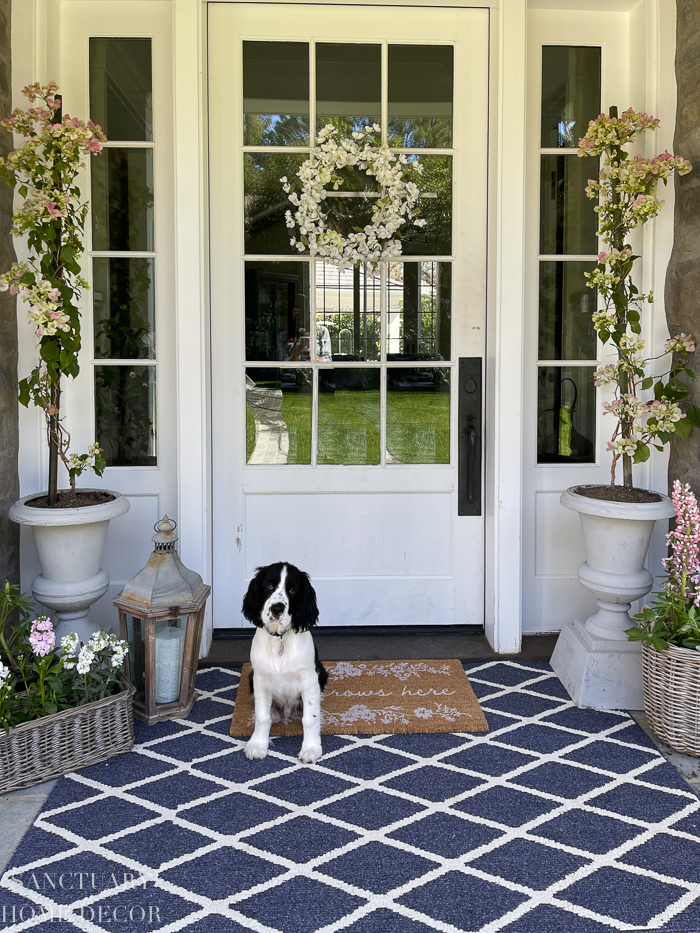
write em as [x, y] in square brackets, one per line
[348, 313]
[566, 329]
[566, 414]
[122, 200]
[275, 93]
[418, 415]
[419, 310]
[124, 308]
[277, 311]
[265, 202]
[348, 416]
[435, 205]
[570, 93]
[348, 85]
[125, 414]
[568, 222]
[278, 416]
[420, 96]
[120, 88]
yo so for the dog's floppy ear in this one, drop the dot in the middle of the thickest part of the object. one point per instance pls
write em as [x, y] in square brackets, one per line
[254, 598]
[304, 607]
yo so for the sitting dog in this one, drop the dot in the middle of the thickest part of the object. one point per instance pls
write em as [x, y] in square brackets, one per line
[286, 670]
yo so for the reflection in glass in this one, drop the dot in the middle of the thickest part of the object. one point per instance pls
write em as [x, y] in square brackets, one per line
[121, 88]
[125, 414]
[122, 199]
[570, 93]
[348, 313]
[419, 310]
[278, 416]
[123, 308]
[348, 85]
[275, 93]
[566, 329]
[265, 202]
[566, 414]
[568, 222]
[420, 96]
[348, 416]
[435, 205]
[277, 311]
[136, 656]
[418, 415]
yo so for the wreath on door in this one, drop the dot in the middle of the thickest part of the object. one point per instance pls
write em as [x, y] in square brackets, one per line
[395, 204]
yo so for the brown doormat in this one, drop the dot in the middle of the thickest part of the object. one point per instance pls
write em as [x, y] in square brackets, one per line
[378, 697]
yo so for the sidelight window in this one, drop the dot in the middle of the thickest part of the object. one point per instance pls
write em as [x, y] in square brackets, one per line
[123, 252]
[567, 344]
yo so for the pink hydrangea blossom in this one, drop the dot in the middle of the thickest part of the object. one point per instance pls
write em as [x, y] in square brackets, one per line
[42, 637]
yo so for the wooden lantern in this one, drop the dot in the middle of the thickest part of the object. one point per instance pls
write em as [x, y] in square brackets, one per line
[161, 613]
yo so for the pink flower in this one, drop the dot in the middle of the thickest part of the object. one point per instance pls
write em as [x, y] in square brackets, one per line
[94, 145]
[683, 565]
[42, 637]
[52, 209]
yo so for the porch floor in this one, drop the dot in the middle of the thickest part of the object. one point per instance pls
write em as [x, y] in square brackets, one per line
[560, 819]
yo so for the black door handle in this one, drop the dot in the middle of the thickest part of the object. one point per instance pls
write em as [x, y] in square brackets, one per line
[469, 420]
[471, 460]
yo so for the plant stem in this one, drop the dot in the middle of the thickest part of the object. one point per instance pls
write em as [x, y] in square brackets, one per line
[54, 442]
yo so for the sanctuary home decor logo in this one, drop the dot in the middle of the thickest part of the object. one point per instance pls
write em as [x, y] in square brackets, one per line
[377, 697]
[79, 887]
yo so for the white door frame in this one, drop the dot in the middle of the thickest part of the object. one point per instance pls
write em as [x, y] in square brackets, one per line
[504, 337]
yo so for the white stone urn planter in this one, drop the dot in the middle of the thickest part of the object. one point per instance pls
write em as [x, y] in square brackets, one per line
[594, 660]
[70, 543]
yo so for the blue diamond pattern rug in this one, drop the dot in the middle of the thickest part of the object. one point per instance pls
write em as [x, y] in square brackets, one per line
[559, 820]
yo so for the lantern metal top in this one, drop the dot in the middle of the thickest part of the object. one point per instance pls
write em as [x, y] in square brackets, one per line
[164, 581]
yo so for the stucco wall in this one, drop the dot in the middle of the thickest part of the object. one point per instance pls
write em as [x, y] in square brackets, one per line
[9, 483]
[683, 278]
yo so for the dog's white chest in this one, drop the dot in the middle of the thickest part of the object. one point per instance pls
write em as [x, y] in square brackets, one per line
[283, 663]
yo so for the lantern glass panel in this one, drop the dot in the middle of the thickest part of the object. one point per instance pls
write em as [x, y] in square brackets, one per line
[136, 637]
[170, 646]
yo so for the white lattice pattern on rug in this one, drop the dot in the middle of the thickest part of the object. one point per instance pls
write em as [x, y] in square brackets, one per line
[559, 820]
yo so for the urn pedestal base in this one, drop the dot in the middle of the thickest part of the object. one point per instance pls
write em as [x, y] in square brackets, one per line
[604, 673]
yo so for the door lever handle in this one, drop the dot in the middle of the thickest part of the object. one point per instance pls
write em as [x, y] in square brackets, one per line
[469, 435]
[471, 462]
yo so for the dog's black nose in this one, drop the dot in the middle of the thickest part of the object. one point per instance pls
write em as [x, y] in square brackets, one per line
[277, 609]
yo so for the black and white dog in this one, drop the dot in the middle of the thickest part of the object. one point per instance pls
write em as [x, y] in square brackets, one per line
[286, 670]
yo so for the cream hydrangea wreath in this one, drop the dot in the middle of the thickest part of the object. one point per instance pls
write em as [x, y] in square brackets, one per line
[380, 240]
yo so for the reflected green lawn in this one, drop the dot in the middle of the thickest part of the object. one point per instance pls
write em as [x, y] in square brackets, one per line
[348, 426]
[418, 427]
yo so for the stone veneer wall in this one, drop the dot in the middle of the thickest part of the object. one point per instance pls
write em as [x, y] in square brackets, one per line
[9, 427]
[682, 293]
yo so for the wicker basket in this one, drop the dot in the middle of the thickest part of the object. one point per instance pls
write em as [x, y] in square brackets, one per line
[74, 738]
[672, 696]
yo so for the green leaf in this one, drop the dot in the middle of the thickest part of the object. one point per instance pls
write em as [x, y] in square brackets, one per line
[50, 707]
[642, 453]
[23, 190]
[683, 427]
[24, 394]
[648, 382]
[693, 415]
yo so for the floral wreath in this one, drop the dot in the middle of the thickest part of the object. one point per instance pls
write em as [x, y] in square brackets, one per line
[380, 240]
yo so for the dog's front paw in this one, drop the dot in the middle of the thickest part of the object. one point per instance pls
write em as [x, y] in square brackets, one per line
[310, 752]
[254, 749]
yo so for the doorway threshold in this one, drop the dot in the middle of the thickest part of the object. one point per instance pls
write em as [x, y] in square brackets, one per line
[401, 645]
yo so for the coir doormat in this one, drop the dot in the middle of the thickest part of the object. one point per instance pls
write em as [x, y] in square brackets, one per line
[378, 697]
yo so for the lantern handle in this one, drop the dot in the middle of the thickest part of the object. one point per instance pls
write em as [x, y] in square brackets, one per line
[162, 521]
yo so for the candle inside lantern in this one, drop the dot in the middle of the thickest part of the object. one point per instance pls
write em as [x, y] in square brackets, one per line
[170, 644]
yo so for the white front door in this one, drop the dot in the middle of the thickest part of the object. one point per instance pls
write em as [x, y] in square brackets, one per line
[336, 395]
